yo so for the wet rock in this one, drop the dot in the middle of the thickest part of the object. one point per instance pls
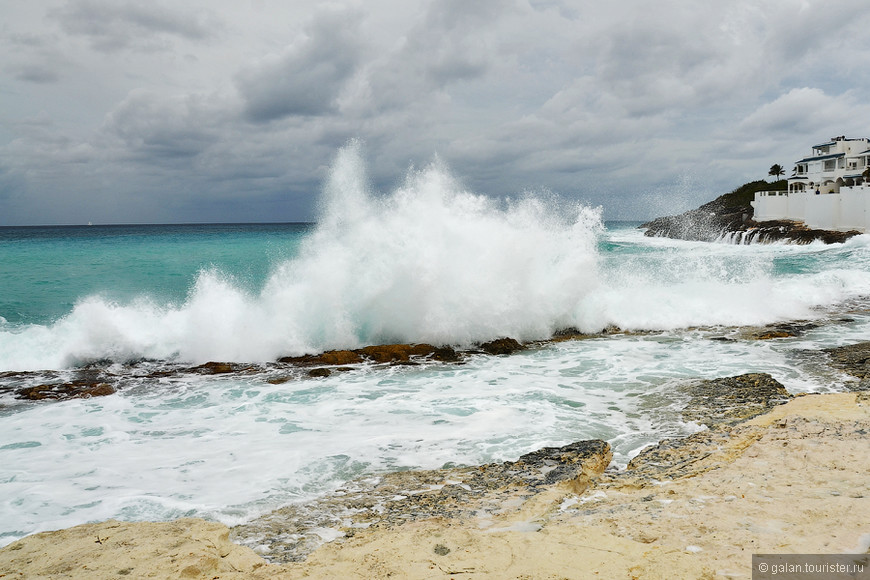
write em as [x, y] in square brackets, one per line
[853, 359]
[279, 380]
[501, 346]
[731, 400]
[383, 353]
[319, 372]
[571, 334]
[444, 354]
[63, 391]
[780, 330]
[332, 357]
[215, 368]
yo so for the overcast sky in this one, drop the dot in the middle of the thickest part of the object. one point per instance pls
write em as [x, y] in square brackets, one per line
[137, 111]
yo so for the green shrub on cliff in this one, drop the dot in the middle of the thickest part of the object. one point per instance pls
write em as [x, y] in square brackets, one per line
[741, 196]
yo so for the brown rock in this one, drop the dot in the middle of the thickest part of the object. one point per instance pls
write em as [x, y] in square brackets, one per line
[387, 352]
[501, 346]
[340, 357]
[215, 368]
[383, 353]
[63, 391]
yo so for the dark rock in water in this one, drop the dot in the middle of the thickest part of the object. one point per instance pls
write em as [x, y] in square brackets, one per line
[400, 497]
[731, 400]
[445, 354]
[319, 372]
[63, 391]
[218, 368]
[279, 380]
[780, 330]
[332, 357]
[384, 353]
[730, 216]
[501, 346]
[853, 359]
[571, 333]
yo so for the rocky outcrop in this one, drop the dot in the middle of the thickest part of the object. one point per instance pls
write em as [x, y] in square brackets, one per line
[853, 359]
[501, 346]
[84, 383]
[731, 400]
[221, 368]
[729, 217]
[71, 390]
[384, 353]
[459, 493]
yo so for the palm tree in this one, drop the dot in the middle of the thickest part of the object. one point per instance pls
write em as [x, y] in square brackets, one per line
[776, 170]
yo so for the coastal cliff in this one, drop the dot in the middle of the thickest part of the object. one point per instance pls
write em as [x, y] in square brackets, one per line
[730, 217]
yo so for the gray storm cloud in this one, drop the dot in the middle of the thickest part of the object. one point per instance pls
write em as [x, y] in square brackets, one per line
[129, 111]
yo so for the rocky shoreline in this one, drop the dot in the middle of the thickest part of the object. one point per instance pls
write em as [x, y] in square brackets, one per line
[102, 378]
[554, 511]
[98, 378]
[729, 218]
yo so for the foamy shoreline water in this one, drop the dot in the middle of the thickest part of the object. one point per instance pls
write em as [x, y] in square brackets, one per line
[707, 525]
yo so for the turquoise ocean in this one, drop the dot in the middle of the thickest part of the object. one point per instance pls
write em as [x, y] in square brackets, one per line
[427, 262]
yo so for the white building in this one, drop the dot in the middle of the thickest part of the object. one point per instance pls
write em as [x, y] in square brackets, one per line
[828, 189]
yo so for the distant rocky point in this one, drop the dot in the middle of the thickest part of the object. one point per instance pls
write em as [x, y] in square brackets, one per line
[729, 217]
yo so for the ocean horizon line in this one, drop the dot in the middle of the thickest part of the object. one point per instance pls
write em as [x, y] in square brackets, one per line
[277, 223]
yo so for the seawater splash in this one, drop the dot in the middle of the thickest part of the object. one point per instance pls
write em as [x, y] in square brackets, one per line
[434, 263]
[429, 262]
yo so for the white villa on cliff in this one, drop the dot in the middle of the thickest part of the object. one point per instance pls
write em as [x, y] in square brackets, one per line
[827, 190]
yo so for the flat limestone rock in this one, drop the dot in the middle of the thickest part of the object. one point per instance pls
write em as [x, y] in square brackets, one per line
[185, 548]
[290, 533]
